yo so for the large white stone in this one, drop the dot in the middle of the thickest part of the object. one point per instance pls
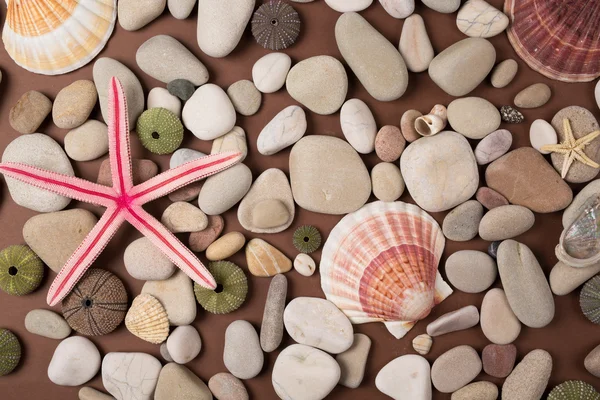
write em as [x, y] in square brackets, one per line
[161, 98]
[209, 112]
[270, 72]
[130, 376]
[358, 125]
[222, 191]
[348, 5]
[75, 361]
[405, 378]
[398, 8]
[285, 129]
[242, 354]
[477, 18]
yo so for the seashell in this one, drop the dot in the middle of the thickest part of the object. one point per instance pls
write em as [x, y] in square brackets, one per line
[432, 123]
[574, 390]
[589, 299]
[10, 352]
[21, 270]
[511, 115]
[53, 37]
[97, 304]
[422, 344]
[579, 244]
[276, 25]
[147, 319]
[380, 264]
[555, 38]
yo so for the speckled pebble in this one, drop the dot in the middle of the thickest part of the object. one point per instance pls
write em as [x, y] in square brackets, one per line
[477, 391]
[144, 261]
[73, 104]
[271, 329]
[499, 360]
[462, 223]
[455, 368]
[31, 110]
[184, 344]
[389, 143]
[225, 386]
[471, 271]
[529, 379]
[504, 73]
[242, 354]
[245, 97]
[505, 222]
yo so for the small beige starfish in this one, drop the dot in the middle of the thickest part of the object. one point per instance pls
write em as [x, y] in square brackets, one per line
[573, 149]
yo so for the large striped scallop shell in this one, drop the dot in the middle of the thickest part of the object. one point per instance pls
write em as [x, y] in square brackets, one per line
[53, 37]
[557, 38]
[380, 264]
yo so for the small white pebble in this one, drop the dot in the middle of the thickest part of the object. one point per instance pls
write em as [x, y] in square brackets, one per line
[304, 264]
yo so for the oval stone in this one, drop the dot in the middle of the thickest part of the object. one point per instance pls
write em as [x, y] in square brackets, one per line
[533, 96]
[461, 319]
[88, 141]
[499, 360]
[407, 125]
[530, 377]
[269, 73]
[47, 324]
[477, 390]
[226, 386]
[75, 361]
[358, 125]
[471, 271]
[493, 146]
[443, 6]
[73, 104]
[271, 329]
[242, 354]
[389, 143]
[505, 222]
[415, 46]
[387, 182]
[285, 129]
[462, 223]
[504, 73]
[489, 198]
[222, 191]
[542, 133]
[473, 117]
[498, 322]
[455, 368]
[209, 113]
[564, 279]
[478, 18]
[348, 5]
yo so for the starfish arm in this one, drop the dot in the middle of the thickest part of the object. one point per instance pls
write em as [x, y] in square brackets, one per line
[555, 148]
[185, 174]
[86, 254]
[584, 159]
[587, 139]
[176, 251]
[567, 162]
[118, 138]
[64, 185]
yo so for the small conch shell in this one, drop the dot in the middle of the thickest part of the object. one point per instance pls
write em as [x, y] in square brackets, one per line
[147, 319]
[432, 123]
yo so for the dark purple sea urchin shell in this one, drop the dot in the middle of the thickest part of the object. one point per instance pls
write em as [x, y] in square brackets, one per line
[275, 25]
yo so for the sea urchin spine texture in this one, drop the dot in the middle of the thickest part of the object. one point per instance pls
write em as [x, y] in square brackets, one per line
[307, 239]
[147, 319]
[275, 25]
[10, 352]
[97, 304]
[21, 270]
[574, 390]
[589, 300]
[160, 130]
[232, 288]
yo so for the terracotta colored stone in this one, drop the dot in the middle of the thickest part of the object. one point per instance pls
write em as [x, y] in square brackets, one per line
[499, 360]
[186, 193]
[389, 143]
[142, 170]
[489, 198]
[199, 241]
[407, 125]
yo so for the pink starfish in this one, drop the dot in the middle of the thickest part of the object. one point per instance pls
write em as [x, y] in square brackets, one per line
[123, 201]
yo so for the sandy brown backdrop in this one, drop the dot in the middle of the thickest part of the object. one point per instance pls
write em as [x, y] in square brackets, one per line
[568, 338]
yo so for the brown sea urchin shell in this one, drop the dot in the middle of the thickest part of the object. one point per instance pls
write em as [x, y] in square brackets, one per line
[559, 39]
[275, 25]
[97, 305]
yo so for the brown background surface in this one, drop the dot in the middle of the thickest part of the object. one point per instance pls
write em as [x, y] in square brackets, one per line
[568, 338]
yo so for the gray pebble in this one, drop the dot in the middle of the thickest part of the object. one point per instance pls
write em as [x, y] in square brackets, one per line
[181, 88]
[462, 223]
[505, 222]
[461, 319]
[243, 356]
[471, 271]
[271, 330]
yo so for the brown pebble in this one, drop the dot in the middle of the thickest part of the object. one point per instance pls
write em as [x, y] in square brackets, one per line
[499, 360]
[226, 246]
[74, 103]
[142, 170]
[533, 96]
[489, 198]
[592, 362]
[186, 193]
[199, 241]
[30, 111]
[407, 125]
[389, 143]
[225, 386]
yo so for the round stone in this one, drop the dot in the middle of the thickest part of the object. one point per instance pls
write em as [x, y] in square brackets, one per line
[209, 112]
[358, 125]
[387, 182]
[478, 18]
[471, 271]
[389, 143]
[134, 15]
[184, 344]
[183, 217]
[499, 360]
[473, 117]
[88, 141]
[455, 368]
[73, 104]
[541, 133]
[493, 146]
[76, 360]
[47, 324]
[269, 73]
[30, 111]
[504, 73]
[304, 264]
[227, 387]
[146, 262]
[533, 96]
[222, 191]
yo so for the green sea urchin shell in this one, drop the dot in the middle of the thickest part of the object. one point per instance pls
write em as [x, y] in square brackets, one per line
[574, 390]
[160, 130]
[21, 270]
[234, 288]
[589, 299]
[307, 239]
[10, 352]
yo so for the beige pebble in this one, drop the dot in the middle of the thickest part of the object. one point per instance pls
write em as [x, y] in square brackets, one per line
[88, 393]
[504, 73]
[270, 213]
[463, 318]
[30, 111]
[533, 96]
[455, 368]
[477, 391]
[74, 103]
[304, 264]
[498, 322]
[265, 260]
[387, 182]
[184, 217]
[529, 379]
[226, 246]
[422, 344]
[407, 125]
[353, 361]
[592, 362]
[564, 278]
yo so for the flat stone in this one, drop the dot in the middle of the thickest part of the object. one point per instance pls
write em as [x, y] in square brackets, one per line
[176, 382]
[268, 207]
[184, 344]
[221, 25]
[88, 141]
[271, 329]
[477, 18]
[471, 271]
[387, 182]
[270, 72]
[542, 133]
[222, 191]
[209, 113]
[304, 264]
[54, 237]
[165, 59]
[235, 140]
[462, 223]
[461, 319]
[473, 117]
[226, 246]
[525, 284]
[389, 143]
[443, 6]
[407, 125]
[375, 61]
[242, 355]
[592, 362]
[460, 68]
[353, 361]
[542, 192]
[499, 360]
[405, 377]
[489, 198]
[319, 83]
[398, 9]
[415, 46]
[105, 68]
[504, 73]
[533, 96]
[564, 279]
[41, 151]
[477, 391]
[505, 222]
[135, 14]
[183, 217]
[199, 241]
[455, 368]
[498, 321]
[88, 393]
[176, 294]
[181, 9]
[47, 324]
[146, 262]
[493, 146]
[130, 375]
[161, 98]
[245, 97]
[328, 176]
[184, 155]
[30, 111]
[76, 361]
[225, 386]
[142, 170]
[358, 126]
[529, 379]
[74, 104]
[348, 5]
[440, 171]
[285, 129]
[318, 323]
[265, 260]
[304, 372]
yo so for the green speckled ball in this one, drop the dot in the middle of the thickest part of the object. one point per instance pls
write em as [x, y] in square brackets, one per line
[160, 130]
[307, 239]
[574, 390]
[231, 290]
[10, 352]
[21, 270]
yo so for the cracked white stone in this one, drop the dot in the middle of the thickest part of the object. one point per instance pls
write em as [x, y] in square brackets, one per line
[284, 130]
[130, 376]
[477, 18]
[398, 8]
[358, 125]
[232, 141]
